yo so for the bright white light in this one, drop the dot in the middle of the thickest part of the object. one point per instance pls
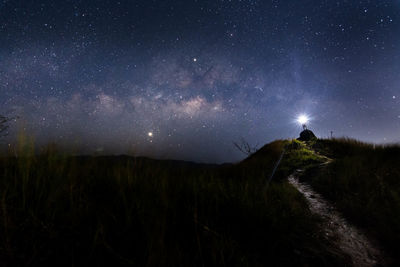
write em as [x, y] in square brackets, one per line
[150, 134]
[302, 119]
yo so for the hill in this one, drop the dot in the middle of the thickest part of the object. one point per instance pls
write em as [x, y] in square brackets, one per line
[68, 210]
[363, 181]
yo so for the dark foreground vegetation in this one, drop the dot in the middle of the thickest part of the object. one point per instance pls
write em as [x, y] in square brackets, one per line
[63, 210]
[363, 181]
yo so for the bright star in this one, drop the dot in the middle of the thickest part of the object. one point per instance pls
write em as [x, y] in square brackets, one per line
[150, 134]
[302, 119]
[194, 59]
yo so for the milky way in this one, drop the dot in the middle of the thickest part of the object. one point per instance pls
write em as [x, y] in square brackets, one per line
[184, 79]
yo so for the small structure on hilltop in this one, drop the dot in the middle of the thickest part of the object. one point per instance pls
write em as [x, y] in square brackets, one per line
[306, 134]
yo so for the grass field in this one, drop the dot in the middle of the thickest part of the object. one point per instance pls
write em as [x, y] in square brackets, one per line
[68, 210]
[363, 181]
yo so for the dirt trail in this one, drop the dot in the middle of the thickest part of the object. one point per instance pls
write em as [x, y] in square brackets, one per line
[337, 229]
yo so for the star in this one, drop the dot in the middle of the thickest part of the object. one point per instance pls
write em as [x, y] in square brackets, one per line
[302, 119]
[110, 70]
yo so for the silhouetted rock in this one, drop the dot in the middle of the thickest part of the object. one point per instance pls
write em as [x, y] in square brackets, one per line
[307, 135]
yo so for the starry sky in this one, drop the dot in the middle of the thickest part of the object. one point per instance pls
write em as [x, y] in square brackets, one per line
[183, 79]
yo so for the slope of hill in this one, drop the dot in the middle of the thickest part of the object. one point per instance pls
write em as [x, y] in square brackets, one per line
[363, 181]
[64, 210]
[73, 210]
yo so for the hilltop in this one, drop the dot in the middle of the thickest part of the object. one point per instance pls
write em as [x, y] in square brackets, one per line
[116, 210]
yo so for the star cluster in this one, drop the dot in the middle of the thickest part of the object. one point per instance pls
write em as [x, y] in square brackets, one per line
[183, 79]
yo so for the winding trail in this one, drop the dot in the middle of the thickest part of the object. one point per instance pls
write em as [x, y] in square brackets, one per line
[348, 238]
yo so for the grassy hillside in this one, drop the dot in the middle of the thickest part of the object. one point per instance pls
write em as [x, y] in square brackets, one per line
[119, 211]
[363, 181]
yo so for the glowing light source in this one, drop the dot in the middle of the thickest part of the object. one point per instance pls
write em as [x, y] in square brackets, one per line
[150, 134]
[302, 119]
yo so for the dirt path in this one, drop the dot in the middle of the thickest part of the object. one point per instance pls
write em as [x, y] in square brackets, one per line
[337, 229]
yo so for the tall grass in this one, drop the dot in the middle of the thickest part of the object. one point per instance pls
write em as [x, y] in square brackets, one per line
[364, 183]
[116, 210]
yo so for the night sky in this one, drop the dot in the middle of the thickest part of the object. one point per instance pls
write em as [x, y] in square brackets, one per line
[183, 79]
